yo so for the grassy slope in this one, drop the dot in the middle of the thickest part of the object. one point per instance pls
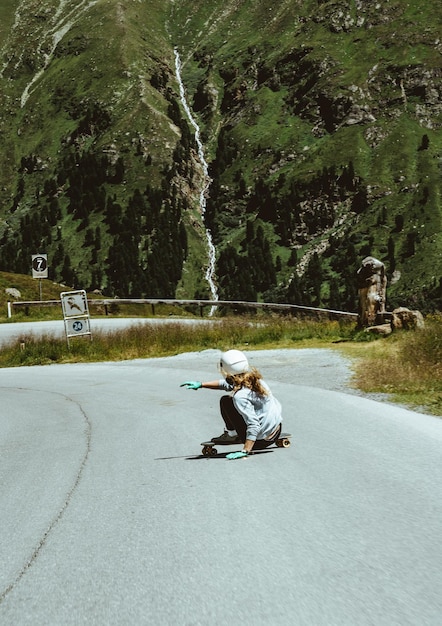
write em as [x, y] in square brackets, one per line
[29, 289]
[105, 57]
[7, 9]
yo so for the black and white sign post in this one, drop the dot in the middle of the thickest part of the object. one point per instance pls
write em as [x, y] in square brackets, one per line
[40, 268]
[76, 314]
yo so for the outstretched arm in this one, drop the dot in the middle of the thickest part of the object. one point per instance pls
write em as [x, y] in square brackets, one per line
[213, 384]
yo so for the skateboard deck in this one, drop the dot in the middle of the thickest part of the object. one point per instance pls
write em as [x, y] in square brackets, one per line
[209, 449]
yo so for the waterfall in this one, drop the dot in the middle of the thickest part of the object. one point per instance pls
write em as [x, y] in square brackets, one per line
[210, 272]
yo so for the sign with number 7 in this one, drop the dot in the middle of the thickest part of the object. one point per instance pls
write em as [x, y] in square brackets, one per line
[39, 266]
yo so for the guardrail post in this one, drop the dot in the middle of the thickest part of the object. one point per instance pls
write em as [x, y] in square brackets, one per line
[9, 309]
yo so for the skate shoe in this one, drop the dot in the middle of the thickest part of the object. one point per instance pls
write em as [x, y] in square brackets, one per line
[226, 439]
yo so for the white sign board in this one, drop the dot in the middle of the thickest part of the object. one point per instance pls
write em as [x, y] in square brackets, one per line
[75, 313]
[74, 303]
[39, 266]
[77, 327]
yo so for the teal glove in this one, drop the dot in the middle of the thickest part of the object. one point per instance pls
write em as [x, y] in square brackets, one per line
[236, 455]
[192, 385]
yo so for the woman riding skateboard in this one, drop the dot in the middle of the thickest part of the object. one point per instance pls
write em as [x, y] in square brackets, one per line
[251, 413]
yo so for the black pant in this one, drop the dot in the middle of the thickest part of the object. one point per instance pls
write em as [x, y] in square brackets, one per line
[235, 421]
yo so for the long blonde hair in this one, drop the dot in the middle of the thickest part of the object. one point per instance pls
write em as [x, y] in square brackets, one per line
[250, 379]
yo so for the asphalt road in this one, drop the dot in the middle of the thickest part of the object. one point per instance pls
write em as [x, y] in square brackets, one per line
[110, 516]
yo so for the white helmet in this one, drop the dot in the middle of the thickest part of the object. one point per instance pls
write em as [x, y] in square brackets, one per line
[233, 362]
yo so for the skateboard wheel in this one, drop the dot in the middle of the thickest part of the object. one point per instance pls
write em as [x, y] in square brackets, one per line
[209, 451]
[283, 443]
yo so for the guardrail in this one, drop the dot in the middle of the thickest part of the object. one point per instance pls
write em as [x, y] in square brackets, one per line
[108, 303]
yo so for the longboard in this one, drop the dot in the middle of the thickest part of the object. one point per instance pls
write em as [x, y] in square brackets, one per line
[209, 449]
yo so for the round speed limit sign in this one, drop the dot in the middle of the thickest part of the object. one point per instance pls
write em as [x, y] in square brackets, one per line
[39, 266]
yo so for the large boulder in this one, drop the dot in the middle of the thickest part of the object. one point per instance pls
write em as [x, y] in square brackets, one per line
[13, 292]
[403, 318]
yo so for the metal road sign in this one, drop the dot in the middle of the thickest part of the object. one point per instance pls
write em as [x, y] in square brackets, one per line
[39, 266]
[74, 303]
[77, 327]
[75, 313]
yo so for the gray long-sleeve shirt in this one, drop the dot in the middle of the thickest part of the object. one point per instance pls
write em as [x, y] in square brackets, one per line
[261, 414]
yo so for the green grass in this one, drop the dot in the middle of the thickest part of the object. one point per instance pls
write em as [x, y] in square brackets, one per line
[146, 341]
[6, 16]
[405, 365]
[28, 288]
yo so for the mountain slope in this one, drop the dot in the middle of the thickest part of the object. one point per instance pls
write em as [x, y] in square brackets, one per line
[91, 131]
[321, 123]
[331, 117]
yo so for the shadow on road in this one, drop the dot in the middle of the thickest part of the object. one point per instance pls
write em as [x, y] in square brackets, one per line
[220, 455]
